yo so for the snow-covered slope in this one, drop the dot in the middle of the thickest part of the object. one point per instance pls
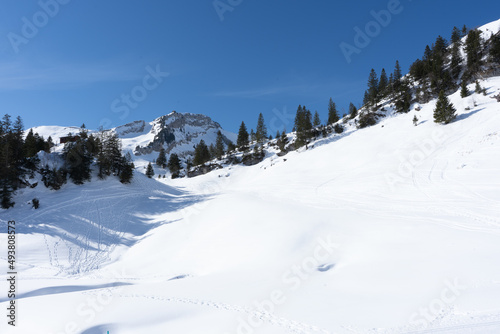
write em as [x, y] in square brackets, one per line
[389, 229]
[176, 132]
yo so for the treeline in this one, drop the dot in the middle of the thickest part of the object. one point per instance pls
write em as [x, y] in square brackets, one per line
[440, 71]
[17, 157]
[19, 160]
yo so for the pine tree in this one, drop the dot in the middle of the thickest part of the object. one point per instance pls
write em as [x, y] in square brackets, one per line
[333, 115]
[211, 150]
[383, 82]
[478, 89]
[161, 161]
[150, 172]
[174, 165]
[109, 154]
[127, 172]
[404, 97]
[282, 140]
[242, 140]
[440, 46]
[201, 153]
[473, 50]
[494, 56]
[465, 30]
[78, 161]
[253, 137]
[456, 35]
[30, 145]
[397, 75]
[373, 88]
[219, 145]
[444, 112]
[353, 111]
[316, 120]
[6, 197]
[303, 125]
[456, 61]
[261, 131]
[464, 92]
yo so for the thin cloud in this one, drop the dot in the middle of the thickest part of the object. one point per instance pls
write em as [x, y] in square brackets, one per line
[269, 91]
[16, 76]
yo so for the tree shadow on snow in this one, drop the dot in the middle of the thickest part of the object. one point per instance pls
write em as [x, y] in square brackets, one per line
[467, 115]
[55, 290]
[101, 215]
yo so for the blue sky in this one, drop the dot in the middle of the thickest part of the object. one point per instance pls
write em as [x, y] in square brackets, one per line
[93, 62]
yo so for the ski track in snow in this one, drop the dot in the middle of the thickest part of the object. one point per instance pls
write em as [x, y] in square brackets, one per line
[290, 325]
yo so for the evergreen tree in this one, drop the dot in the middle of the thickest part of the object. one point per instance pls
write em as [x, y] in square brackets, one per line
[150, 172]
[353, 111]
[456, 35]
[174, 165]
[303, 125]
[316, 120]
[464, 92]
[444, 111]
[333, 115]
[201, 153]
[230, 147]
[6, 197]
[109, 154]
[78, 161]
[478, 89]
[398, 74]
[219, 145]
[127, 171]
[30, 144]
[494, 56]
[161, 161]
[242, 140]
[465, 30]
[473, 50]
[50, 144]
[440, 46]
[211, 150]
[383, 82]
[261, 132]
[404, 97]
[456, 61]
[373, 88]
[282, 140]
[252, 136]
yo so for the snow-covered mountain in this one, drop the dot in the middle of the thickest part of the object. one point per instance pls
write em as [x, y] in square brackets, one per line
[393, 228]
[176, 132]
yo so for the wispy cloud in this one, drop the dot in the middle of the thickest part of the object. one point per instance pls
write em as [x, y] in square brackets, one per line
[268, 91]
[20, 76]
[316, 88]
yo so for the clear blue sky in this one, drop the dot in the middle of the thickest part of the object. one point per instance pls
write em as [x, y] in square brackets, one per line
[264, 56]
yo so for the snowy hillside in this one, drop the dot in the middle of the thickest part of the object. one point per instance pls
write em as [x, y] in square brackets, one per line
[176, 132]
[394, 228]
[390, 229]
